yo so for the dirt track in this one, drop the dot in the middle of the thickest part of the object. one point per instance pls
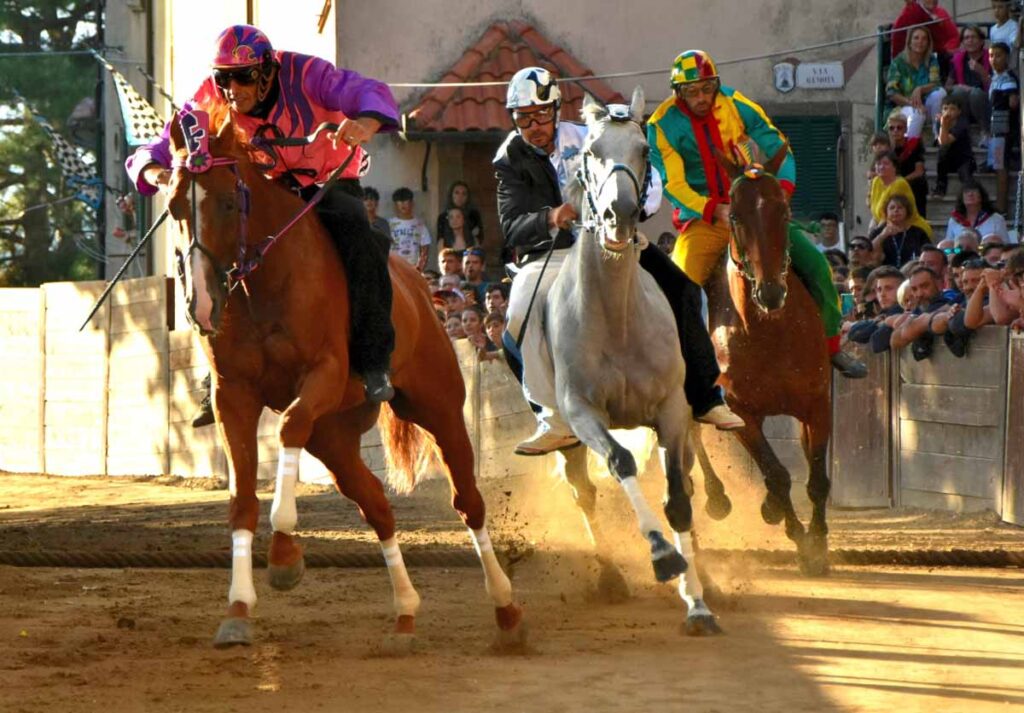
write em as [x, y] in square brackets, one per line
[138, 640]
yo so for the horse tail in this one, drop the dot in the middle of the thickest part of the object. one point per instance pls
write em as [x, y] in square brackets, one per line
[409, 450]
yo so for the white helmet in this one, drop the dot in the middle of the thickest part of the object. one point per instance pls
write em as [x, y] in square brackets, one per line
[532, 86]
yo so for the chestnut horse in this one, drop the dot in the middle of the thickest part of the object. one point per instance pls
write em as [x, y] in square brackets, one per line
[771, 346]
[282, 342]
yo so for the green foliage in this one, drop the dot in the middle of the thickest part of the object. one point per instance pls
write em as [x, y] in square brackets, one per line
[43, 244]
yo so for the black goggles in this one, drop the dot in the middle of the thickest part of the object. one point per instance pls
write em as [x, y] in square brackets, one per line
[243, 76]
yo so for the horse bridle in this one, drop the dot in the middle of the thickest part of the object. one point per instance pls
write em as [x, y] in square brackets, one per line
[740, 259]
[584, 175]
[228, 277]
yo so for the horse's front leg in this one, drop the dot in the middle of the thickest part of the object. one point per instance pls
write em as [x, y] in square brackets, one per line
[321, 391]
[673, 427]
[813, 555]
[591, 427]
[238, 413]
[611, 585]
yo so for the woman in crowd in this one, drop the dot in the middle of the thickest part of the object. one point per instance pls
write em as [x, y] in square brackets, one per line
[969, 76]
[909, 159]
[974, 210]
[897, 241]
[913, 82]
[886, 184]
[459, 197]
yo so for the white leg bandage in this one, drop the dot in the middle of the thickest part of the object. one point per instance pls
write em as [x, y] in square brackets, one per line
[242, 589]
[407, 601]
[283, 515]
[496, 581]
[690, 588]
[645, 517]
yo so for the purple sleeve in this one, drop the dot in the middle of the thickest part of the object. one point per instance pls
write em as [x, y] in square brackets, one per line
[351, 93]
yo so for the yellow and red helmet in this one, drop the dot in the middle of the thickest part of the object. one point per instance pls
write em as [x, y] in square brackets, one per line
[693, 66]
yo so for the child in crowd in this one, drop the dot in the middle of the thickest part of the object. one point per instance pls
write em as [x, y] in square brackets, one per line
[410, 238]
[955, 152]
[1004, 143]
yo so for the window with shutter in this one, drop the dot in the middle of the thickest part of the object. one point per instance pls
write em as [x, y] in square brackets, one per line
[813, 141]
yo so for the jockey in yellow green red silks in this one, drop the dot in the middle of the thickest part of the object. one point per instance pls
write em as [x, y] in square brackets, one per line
[699, 117]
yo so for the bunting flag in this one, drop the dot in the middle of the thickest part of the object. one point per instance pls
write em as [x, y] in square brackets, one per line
[78, 174]
[141, 122]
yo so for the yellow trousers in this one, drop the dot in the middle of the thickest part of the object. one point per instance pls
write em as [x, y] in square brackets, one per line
[699, 249]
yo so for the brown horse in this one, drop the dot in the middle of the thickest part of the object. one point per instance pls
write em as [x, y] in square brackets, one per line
[771, 346]
[281, 341]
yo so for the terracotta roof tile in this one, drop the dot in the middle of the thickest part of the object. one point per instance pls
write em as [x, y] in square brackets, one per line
[501, 51]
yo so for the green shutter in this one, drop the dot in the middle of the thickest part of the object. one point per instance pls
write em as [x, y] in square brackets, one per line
[813, 141]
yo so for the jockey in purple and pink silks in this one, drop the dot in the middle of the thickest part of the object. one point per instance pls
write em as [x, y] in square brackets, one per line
[272, 93]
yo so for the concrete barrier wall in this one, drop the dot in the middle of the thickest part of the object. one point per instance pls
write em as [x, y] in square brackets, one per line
[1013, 470]
[952, 420]
[119, 397]
[22, 371]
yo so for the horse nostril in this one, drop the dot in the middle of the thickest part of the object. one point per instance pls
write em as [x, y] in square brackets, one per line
[609, 215]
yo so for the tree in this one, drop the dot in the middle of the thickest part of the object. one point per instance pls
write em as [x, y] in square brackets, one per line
[42, 240]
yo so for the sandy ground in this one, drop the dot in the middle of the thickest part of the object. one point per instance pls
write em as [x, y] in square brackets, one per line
[862, 639]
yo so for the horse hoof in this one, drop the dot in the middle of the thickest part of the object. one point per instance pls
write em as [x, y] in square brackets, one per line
[284, 578]
[397, 645]
[233, 632]
[772, 511]
[812, 556]
[668, 566]
[718, 508]
[512, 642]
[611, 585]
[701, 625]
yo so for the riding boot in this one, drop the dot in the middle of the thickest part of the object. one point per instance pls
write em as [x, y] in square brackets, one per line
[204, 416]
[684, 297]
[364, 253]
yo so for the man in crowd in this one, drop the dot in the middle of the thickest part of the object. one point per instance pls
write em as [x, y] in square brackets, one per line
[473, 272]
[497, 298]
[878, 330]
[926, 288]
[371, 200]
[450, 262]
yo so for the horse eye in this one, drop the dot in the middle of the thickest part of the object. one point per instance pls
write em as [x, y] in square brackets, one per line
[647, 151]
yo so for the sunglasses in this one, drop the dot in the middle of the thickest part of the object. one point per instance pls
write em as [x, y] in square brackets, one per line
[707, 89]
[952, 251]
[243, 76]
[860, 246]
[539, 117]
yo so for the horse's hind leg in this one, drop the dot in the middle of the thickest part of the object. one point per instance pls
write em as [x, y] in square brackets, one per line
[335, 441]
[718, 505]
[320, 393]
[814, 438]
[443, 419]
[589, 426]
[673, 429]
[611, 585]
[777, 505]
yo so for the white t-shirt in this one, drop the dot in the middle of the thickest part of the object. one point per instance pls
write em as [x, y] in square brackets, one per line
[1007, 32]
[407, 236]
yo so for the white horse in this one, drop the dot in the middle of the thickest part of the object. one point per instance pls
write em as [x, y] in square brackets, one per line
[614, 343]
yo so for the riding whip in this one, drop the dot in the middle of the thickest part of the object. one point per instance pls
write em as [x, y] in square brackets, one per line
[124, 266]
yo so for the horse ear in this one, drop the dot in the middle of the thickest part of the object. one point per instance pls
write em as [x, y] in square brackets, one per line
[592, 110]
[177, 135]
[732, 169]
[775, 162]
[637, 105]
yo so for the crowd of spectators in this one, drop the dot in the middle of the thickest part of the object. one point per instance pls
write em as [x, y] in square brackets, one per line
[470, 306]
[954, 89]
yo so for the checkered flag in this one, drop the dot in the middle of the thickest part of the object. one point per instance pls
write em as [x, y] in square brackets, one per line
[141, 122]
[77, 173]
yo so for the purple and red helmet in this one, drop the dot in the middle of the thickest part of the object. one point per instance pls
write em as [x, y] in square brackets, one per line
[241, 46]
